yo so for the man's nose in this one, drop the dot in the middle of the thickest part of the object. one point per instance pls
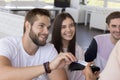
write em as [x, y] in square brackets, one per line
[118, 28]
[46, 31]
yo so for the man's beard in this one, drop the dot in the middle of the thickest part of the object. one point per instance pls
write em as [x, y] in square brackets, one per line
[35, 39]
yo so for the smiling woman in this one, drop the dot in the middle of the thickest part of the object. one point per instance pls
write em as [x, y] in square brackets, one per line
[64, 40]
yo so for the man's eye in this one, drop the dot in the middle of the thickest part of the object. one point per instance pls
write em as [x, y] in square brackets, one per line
[41, 26]
[113, 26]
[48, 27]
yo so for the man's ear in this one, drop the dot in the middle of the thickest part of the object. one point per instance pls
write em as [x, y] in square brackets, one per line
[107, 25]
[27, 25]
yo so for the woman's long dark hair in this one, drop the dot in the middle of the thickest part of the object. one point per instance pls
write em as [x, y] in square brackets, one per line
[56, 34]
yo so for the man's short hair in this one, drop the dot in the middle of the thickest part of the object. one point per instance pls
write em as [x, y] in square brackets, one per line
[112, 15]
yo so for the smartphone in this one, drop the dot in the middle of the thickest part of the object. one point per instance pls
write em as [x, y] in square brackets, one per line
[80, 65]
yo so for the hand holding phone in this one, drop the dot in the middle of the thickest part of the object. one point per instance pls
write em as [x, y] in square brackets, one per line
[80, 65]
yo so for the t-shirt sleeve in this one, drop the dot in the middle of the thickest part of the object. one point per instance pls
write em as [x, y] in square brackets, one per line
[5, 48]
[53, 53]
[91, 52]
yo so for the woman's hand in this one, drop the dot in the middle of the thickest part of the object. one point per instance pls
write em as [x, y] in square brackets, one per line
[61, 60]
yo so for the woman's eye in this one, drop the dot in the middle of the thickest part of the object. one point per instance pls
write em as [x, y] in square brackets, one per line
[63, 26]
[72, 25]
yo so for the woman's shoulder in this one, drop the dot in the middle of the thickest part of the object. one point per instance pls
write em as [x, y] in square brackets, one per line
[79, 52]
[78, 47]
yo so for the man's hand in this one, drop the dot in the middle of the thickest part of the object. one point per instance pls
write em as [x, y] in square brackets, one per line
[89, 75]
[61, 60]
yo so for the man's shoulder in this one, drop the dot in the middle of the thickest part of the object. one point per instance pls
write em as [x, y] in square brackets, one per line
[10, 40]
[102, 36]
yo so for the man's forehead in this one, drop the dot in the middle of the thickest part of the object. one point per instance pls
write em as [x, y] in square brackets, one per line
[43, 19]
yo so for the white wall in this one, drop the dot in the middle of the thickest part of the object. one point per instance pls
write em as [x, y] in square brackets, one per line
[75, 4]
[11, 24]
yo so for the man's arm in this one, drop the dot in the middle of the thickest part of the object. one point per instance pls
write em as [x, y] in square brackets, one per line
[7, 72]
[59, 74]
[89, 75]
[91, 52]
